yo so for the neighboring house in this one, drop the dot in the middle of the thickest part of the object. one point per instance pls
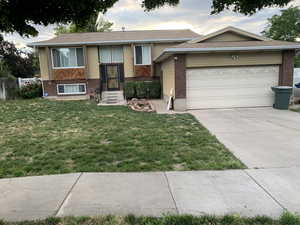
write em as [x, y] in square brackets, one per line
[80, 64]
[228, 68]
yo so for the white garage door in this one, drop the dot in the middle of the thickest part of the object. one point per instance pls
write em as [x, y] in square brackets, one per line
[226, 87]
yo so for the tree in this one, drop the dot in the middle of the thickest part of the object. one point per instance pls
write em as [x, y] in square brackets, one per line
[17, 62]
[94, 24]
[285, 27]
[21, 15]
[247, 7]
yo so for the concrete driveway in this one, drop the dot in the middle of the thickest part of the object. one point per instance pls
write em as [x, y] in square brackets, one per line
[259, 137]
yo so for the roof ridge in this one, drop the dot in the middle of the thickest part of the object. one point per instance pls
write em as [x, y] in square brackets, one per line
[117, 31]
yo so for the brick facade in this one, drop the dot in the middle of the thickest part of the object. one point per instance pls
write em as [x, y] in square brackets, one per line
[180, 76]
[286, 71]
[50, 86]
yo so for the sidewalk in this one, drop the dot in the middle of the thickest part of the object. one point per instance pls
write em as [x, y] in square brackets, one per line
[246, 192]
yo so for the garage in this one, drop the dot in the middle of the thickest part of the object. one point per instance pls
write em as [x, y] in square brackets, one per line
[227, 87]
[229, 68]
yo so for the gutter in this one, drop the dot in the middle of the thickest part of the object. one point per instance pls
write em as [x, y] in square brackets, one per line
[170, 51]
[37, 44]
[179, 50]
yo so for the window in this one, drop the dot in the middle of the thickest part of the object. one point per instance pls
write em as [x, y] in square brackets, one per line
[142, 55]
[67, 57]
[69, 89]
[111, 55]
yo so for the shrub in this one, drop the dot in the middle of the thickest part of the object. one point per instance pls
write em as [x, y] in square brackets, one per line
[32, 90]
[153, 89]
[141, 89]
[288, 218]
[130, 89]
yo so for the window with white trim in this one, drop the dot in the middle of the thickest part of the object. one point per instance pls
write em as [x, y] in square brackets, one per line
[111, 54]
[71, 89]
[142, 55]
[67, 57]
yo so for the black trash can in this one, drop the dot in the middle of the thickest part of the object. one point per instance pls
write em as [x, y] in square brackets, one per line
[282, 96]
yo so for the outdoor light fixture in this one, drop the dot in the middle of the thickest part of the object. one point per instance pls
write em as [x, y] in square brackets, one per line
[234, 57]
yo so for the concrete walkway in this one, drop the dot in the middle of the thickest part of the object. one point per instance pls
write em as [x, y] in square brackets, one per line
[246, 192]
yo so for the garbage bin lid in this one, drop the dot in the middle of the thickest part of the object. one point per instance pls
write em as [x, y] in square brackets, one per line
[283, 87]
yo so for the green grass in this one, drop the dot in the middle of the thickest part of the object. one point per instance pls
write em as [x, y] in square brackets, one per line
[285, 219]
[39, 137]
[296, 110]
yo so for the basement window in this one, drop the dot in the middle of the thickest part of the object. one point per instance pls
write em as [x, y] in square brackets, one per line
[71, 89]
[142, 55]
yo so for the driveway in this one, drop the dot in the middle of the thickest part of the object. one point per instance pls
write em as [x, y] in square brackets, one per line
[259, 137]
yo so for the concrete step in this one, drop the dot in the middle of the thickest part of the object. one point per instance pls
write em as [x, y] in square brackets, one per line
[112, 97]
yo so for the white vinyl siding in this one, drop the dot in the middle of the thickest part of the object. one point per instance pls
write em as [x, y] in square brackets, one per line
[71, 89]
[111, 54]
[67, 57]
[226, 87]
[142, 55]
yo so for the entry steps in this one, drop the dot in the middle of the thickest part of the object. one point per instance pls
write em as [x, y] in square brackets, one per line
[112, 98]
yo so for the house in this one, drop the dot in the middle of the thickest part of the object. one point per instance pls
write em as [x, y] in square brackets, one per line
[79, 64]
[227, 68]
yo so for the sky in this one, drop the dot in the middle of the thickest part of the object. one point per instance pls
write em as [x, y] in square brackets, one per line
[188, 14]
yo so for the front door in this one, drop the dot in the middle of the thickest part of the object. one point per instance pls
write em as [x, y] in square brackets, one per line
[113, 77]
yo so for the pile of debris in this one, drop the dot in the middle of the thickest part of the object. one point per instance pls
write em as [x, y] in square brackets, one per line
[140, 105]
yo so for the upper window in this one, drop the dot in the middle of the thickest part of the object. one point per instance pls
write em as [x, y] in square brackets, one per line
[142, 55]
[111, 55]
[67, 57]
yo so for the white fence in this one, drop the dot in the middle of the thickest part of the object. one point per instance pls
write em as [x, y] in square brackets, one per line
[2, 90]
[24, 81]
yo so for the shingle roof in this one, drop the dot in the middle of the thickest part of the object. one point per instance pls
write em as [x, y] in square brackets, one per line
[120, 37]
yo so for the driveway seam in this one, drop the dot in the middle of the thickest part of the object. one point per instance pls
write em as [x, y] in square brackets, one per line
[171, 193]
[265, 190]
[67, 195]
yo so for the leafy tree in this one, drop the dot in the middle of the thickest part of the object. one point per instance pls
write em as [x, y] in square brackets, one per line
[285, 27]
[17, 62]
[94, 24]
[21, 15]
[247, 7]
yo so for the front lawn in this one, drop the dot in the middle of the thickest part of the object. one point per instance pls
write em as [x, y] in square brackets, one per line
[296, 110]
[285, 219]
[40, 137]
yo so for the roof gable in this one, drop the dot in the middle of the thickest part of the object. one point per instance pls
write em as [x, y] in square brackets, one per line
[229, 34]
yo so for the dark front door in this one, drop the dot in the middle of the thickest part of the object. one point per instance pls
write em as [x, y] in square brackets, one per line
[113, 77]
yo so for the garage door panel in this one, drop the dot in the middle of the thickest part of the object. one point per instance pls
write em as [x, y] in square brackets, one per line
[210, 103]
[224, 85]
[231, 87]
[235, 92]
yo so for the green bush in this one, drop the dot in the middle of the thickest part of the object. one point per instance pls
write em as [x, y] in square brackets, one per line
[33, 90]
[153, 89]
[288, 218]
[130, 89]
[142, 89]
